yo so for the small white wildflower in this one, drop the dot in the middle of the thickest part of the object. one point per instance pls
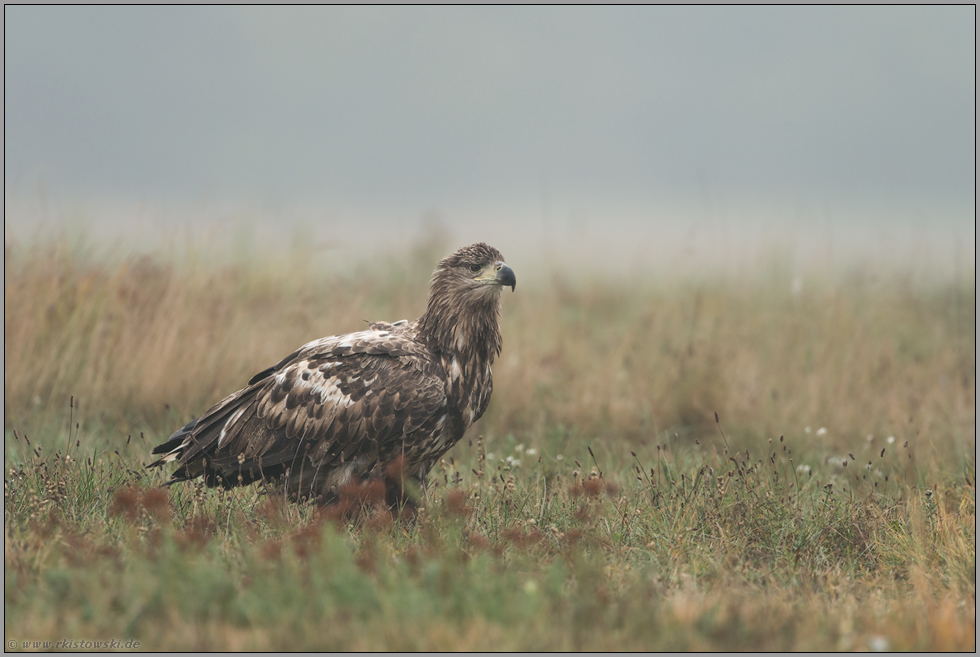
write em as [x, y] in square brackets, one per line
[512, 462]
[802, 468]
[821, 431]
[532, 452]
[490, 456]
[519, 448]
[891, 439]
[806, 430]
[559, 458]
[878, 644]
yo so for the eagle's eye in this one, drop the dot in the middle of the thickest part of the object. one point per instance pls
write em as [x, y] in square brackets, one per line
[476, 269]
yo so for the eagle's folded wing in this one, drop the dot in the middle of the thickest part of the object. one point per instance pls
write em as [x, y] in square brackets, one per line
[331, 402]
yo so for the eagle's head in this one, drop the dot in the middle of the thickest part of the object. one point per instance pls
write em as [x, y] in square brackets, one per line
[477, 269]
[464, 298]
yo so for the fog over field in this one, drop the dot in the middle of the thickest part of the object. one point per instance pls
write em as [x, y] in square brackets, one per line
[618, 138]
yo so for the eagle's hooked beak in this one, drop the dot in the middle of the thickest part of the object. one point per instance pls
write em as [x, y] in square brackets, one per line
[505, 276]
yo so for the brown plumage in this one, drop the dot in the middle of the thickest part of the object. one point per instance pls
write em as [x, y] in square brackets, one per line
[345, 408]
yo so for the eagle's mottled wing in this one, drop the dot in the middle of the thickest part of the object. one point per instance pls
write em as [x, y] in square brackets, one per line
[333, 401]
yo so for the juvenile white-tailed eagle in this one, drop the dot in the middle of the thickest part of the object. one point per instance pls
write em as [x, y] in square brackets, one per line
[341, 409]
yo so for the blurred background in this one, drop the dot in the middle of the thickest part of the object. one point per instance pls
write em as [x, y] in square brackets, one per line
[616, 139]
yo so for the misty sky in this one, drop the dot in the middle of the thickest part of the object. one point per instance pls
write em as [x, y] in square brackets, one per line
[428, 107]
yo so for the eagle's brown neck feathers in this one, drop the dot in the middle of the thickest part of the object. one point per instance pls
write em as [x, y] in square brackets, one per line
[462, 320]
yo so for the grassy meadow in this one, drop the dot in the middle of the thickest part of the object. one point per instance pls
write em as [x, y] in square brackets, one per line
[600, 504]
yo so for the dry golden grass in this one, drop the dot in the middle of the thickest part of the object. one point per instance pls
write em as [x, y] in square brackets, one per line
[527, 542]
[150, 341]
